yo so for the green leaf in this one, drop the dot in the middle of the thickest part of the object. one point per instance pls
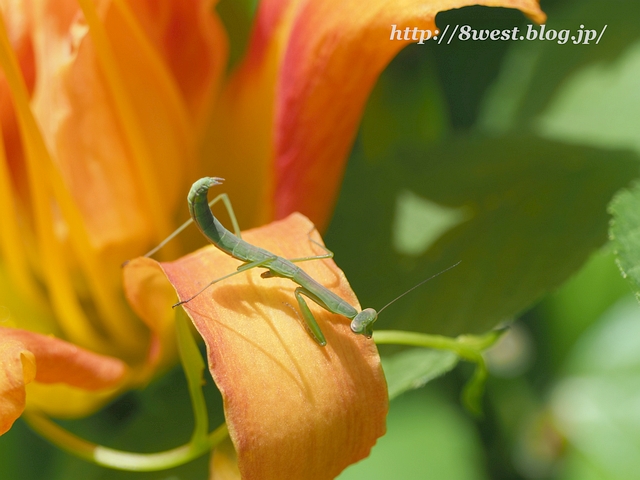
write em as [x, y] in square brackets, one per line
[19, 447]
[598, 106]
[534, 71]
[413, 368]
[412, 115]
[595, 405]
[570, 310]
[625, 235]
[237, 16]
[535, 210]
[427, 438]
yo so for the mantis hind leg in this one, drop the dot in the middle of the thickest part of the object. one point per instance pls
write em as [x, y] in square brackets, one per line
[227, 204]
[310, 322]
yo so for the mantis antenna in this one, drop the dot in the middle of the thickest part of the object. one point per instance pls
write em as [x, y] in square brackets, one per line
[418, 285]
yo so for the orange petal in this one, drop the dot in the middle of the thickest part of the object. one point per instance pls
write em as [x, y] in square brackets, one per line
[294, 409]
[27, 356]
[121, 117]
[293, 107]
[151, 297]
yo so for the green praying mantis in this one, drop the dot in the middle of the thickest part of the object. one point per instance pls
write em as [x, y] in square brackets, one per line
[276, 266]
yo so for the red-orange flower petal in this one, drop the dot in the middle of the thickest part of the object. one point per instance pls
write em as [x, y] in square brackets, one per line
[294, 409]
[192, 43]
[334, 56]
[293, 107]
[27, 356]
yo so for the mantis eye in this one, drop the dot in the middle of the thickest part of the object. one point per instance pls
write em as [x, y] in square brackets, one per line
[362, 322]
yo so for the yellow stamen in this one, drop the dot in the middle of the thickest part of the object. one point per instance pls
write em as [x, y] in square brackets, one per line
[12, 248]
[56, 275]
[117, 320]
[155, 203]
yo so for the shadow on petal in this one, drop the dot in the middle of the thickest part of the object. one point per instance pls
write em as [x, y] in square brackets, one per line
[294, 409]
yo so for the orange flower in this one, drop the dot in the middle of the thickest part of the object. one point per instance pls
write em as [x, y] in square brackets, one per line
[109, 110]
[100, 118]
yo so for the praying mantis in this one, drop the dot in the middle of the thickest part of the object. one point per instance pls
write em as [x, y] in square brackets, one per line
[256, 257]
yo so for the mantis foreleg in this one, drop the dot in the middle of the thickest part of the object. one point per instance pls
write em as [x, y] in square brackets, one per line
[227, 204]
[312, 325]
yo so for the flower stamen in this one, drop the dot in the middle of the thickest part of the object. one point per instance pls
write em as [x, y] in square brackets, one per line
[156, 204]
[116, 319]
[12, 248]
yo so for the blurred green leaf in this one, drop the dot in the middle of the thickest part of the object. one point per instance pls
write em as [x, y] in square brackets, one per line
[534, 70]
[598, 106]
[426, 438]
[577, 467]
[570, 310]
[625, 235]
[467, 68]
[537, 211]
[595, 406]
[419, 223]
[413, 368]
[237, 17]
[412, 115]
[24, 455]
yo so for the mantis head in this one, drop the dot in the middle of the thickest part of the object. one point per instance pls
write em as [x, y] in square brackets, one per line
[362, 322]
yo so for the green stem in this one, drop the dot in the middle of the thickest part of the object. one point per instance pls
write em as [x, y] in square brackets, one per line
[193, 367]
[118, 459]
[467, 347]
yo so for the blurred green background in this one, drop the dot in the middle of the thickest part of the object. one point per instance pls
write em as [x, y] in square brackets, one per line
[505, 155]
